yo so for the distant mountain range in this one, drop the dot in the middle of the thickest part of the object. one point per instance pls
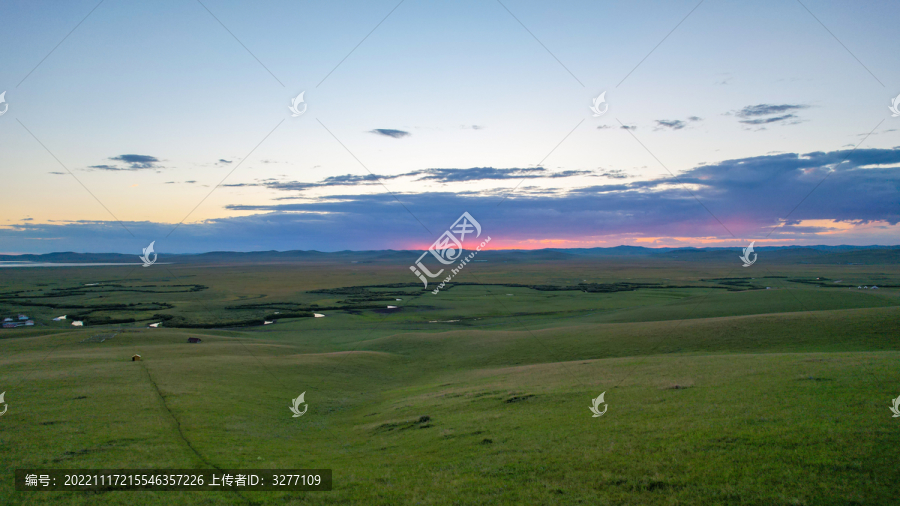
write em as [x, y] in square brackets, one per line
[780, 254]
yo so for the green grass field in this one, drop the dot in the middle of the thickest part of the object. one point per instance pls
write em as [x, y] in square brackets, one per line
[718, 391]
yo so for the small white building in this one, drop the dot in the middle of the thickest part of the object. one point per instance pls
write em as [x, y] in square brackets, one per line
[78, 324]
[154, 325]
[23, 317]
[59, 318]
[318, 315]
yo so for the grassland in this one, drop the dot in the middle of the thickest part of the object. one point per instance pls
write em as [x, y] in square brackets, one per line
[720, 391]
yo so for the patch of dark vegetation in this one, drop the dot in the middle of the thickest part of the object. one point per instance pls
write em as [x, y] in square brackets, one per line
[644, 485]
[487, 441]
[814, 378]
[738, 284]
[177, 321]
[80, 397]
[519, 398]
[756, 277]
[78, 291]
[587, 287]
[357, 294]
[827, 283]
[483, 394]
[365, 293]
[89, 319]
[421, 423]
[140, 306]
[677, 387]
[295, 314]
[353, 290]
[288, 308]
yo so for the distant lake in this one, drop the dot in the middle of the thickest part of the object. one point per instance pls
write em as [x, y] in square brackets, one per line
[62, 264]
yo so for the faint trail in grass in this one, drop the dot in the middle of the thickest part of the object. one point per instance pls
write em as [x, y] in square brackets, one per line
[162, 399]
[187, 443]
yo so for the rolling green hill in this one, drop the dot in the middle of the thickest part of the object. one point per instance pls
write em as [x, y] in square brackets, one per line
[719, 391]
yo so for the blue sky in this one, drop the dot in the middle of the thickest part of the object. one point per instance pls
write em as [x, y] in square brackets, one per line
[150, 106]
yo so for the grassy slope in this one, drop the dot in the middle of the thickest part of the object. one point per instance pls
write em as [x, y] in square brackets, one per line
[782, 407]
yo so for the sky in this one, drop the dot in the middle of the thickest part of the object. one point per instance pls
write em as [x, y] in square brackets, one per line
[724, 122]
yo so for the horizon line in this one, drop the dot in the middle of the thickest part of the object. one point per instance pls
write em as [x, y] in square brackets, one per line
[484, 250]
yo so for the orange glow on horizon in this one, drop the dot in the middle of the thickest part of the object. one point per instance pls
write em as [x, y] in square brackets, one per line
[829, 229]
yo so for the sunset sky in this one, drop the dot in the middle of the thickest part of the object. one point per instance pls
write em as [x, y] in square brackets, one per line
[760, 112]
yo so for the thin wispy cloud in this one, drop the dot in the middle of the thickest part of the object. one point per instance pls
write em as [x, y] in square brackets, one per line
[491, 173]
[431, 175]
[764, 114]
[612, 174]
[129, 163]
[390, 132]
[137, 161]
[674, 124]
